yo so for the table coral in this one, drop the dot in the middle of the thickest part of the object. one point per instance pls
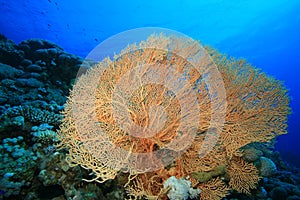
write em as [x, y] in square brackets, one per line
[117, 120]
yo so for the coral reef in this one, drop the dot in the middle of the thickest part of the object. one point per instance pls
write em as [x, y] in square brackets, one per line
[32, 94]
[35, 78]
[110, 108]
[267, 167]
[16, 166]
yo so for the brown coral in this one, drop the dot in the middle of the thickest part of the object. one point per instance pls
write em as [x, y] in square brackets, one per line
[139, 114]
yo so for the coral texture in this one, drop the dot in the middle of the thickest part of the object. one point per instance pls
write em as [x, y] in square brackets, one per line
[117, 120]
[243, 176]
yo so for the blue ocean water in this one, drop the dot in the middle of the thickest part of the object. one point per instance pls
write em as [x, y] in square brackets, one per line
[266, 33]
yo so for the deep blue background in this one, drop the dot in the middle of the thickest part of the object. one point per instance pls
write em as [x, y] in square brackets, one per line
[266, 33]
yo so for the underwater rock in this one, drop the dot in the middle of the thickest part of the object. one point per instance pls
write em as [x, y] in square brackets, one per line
[46, 55]
[267, 167]
[40, 63]
[35, 44]
[9, 52]
[293, 198]
[47, 178]
[35, 75]
[57, 95]
[261, 193]
[63, 58]
[296, 191]
[30, 82]
[68, 59]
[252, 154]
[40, 66]
[25, 62]
[3, 98]
[36, 49]
[8, 83]
[41, 54]
[288, 177]
[7, 71]
[279, 193]
[33, 68]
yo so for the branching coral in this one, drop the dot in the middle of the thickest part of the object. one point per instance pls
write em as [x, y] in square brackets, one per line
[257, 104]
[243, 176]
[139, 114]
[213, 190]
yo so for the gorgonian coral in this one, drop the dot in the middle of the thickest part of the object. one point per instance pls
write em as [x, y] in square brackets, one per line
[151, 111]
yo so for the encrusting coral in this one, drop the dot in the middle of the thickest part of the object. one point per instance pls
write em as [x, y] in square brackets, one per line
[136, 115]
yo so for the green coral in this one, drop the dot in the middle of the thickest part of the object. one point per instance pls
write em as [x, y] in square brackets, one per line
[203, 177]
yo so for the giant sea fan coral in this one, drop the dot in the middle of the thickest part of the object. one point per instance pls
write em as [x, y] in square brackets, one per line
[139, 114]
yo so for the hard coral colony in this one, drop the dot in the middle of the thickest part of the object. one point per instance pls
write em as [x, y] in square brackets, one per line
[98, 135]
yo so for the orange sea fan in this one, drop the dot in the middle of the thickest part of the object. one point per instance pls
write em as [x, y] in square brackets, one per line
[243, 176]
[257, 104]
[118, 119]
[215, 189]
